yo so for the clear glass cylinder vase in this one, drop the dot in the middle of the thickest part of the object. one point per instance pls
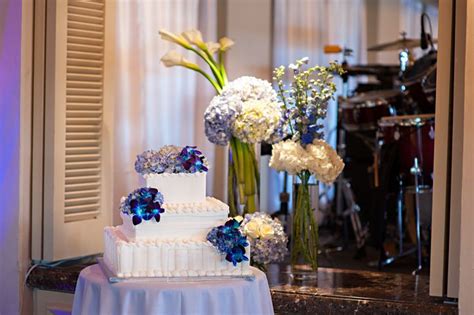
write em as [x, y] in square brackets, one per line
[304, 228]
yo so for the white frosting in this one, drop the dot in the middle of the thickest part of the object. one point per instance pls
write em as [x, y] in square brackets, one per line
[190, 221]
[179, 187]
[157, 258]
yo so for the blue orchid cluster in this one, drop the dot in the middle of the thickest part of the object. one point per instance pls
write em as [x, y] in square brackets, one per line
[143, 204]
[171, 159]
[229, 240]
[192, 160]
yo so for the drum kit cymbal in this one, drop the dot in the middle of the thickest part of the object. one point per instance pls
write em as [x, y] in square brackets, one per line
[397, 113]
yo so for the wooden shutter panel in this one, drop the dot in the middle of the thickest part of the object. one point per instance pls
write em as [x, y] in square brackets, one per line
[84, 109]
[75, 191]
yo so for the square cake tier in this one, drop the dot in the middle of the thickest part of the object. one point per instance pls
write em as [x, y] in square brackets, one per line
[157, 258]
[179, 187]
[183, 221]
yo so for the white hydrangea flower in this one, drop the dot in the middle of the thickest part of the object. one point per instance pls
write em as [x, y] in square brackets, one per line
[288, 156]
[248, 109]
[250, 88]
[319, 158]
[257, 121]
[323, 161]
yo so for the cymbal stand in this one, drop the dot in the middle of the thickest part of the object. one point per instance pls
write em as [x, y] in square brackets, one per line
[344, 192]
[416, 172]
[352, 211]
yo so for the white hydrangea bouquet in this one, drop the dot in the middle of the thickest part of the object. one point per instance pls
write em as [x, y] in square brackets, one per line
[245, 111]
[305, 153]
[267, 239]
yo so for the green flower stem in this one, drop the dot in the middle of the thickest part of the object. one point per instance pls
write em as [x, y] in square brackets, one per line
[211, 64]
[249, 171]
[222, 66]
[305, 229]
[214, 83]
[255, 167]
[230, 190]
[237, 160]
[250, 204]
[245, 173]
[240, 160]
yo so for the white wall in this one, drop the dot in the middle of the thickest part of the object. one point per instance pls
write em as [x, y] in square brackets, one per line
[10, 67]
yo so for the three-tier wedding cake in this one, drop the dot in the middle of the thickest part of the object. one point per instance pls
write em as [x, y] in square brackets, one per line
[167, 224]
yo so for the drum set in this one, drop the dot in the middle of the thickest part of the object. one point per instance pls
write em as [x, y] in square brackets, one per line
[393, 119]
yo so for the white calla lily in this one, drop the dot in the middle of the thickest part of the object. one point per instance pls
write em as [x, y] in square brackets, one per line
[174, 38]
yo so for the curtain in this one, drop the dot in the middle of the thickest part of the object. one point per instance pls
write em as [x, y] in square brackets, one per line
[301, 29]
[155, 105]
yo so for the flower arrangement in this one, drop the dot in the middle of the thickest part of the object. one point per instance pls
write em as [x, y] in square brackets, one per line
[247, 109]
[229, 241]
[244, 112]
[171, 159]
[192, 41]
[143, 204]
[305, 153]
[266, 237]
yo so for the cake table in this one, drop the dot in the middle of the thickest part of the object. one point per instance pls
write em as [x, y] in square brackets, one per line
[96, 295]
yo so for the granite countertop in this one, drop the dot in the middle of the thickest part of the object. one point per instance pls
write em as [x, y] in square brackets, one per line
[335, 291]
[342, 291]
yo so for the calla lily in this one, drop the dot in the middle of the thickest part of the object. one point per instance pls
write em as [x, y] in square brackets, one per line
[174, 38]
[213, 47]
[225, 43]
[194, 37]
[173, 58]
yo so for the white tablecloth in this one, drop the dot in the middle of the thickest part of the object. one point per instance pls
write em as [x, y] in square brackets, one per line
[95, 295]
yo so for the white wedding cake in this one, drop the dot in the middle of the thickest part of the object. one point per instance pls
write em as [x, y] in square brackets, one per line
[167, 224]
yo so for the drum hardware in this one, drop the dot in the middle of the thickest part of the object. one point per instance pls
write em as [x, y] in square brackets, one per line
[416, 172]
[361, 112]
[399, 44]
[352, 211]
[408, 132]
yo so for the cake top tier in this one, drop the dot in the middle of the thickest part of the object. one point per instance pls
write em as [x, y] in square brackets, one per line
[171, 159]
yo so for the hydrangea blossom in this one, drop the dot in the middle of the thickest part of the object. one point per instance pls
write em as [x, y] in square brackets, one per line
[248, 88]
[171, 159]
[266, 237]
[248, 109]
[219, 118]
[257, 121]
[318, 157]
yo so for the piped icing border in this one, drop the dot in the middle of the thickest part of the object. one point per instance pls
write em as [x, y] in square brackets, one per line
[197, 174]
[210, 205]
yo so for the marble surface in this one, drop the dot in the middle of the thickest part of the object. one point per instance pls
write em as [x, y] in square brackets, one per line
[336, 291]
[60, 278]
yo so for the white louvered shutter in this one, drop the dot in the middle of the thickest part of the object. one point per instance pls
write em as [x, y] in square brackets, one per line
[84, 110]
[77, 159]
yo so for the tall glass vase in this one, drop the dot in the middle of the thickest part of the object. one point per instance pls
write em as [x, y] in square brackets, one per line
[304, 232]
[243, 178]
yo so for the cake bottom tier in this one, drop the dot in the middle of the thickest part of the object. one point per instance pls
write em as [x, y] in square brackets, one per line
[155, 258]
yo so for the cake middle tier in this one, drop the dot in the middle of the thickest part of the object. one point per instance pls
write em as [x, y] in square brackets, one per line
[180, 221]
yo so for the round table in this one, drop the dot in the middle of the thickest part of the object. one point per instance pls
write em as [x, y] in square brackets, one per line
[96, 295]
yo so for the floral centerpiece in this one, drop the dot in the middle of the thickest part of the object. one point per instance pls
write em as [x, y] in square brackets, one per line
[171, 159]
[305, 153]
[266, 237]
[244, 112]
[143, 204]
[229, 241]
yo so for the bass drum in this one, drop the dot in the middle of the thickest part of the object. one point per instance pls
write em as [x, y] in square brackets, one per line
[361, 112]
[414, 137]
